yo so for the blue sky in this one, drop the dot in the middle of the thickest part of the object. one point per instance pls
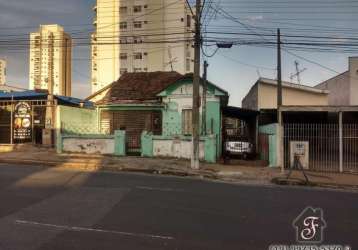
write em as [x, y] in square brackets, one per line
[234, 69]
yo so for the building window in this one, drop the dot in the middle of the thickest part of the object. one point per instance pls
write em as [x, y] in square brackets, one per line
[123, 70]
[123, 41]
[123, 56]
[136, 70]
[137, 39]
[123, 10]
[123, 25]
[188, 21]
[187, 118]
[137, 24]
[137, 9]
[188, 66]
[188, 53]
[138, 56]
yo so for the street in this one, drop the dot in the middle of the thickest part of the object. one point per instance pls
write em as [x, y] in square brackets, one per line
[57, 209]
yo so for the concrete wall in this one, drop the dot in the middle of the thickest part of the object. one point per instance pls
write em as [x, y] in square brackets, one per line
[353, 78]
[251, 99]
[94, 144]
[344, 87]
[339, 88]
[176, 148]
[89, 145]
[267, 97]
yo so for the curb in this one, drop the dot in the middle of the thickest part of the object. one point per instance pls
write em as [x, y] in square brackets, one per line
[283, 181]
[112, 168]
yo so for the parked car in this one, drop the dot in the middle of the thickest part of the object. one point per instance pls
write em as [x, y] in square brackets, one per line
[240, 148]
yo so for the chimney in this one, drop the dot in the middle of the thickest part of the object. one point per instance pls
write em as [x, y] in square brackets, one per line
[353, 77]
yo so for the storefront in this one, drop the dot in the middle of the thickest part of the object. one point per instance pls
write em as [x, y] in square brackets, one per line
[29, 116]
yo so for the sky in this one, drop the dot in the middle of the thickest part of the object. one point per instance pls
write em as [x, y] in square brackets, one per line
[235, 69]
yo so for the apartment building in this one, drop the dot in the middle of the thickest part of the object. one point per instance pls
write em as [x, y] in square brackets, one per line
[2, 72]
[50, 60]
[140, 36]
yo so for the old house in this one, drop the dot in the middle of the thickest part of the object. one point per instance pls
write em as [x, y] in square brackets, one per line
[155, 111]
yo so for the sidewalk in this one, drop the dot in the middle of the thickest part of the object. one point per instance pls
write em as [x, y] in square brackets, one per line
[229, 173]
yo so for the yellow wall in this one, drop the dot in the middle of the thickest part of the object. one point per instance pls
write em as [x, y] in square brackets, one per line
[267, 97]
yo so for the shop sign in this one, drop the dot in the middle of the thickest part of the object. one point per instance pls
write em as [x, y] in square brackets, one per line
[22, 121]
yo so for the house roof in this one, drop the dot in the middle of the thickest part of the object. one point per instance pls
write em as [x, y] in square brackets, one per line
[138, 87]
[42, 95]
[143, 87]
[27, 94]
[293, 86]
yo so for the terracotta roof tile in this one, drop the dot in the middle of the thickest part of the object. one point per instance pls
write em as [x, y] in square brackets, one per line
[139, 87]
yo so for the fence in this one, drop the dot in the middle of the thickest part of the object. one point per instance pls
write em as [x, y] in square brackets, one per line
[78, 129]
[324, 145]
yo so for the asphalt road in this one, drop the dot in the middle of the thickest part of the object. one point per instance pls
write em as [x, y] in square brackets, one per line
[52, 209]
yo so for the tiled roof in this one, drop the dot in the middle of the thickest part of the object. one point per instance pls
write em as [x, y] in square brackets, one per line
[139, 87]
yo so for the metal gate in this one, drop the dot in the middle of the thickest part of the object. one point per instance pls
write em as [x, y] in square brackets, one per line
[134, 123]
[264, 147]
[5, 124]
[324, 145]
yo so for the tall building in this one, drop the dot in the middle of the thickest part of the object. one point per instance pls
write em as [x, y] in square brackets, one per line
[2, 72]
[140, 36]
[50, 60]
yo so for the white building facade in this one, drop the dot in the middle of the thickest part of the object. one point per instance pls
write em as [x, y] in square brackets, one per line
[2, 72]
[140, 36]
[50, 60]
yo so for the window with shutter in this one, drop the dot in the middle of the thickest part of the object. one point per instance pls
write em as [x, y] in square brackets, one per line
[187, 121]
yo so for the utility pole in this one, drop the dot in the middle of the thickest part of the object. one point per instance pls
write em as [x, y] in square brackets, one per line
[279, 103]
[196, 87]
[205, 87]
[279, 70]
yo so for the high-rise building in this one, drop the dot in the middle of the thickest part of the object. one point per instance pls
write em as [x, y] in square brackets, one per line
[140, 36]
[50, 60]
[2, 72]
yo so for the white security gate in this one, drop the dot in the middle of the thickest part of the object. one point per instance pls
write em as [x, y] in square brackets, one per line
[327, 146]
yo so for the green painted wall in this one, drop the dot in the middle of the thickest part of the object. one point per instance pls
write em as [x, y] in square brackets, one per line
[172, 120]
[271, 130]
[213, 122]
[147, 144]
[120, 143]
[77, 120]
[210, 149]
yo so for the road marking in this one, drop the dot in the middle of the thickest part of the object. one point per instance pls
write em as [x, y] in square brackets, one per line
[160, 189]
[84, 229]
